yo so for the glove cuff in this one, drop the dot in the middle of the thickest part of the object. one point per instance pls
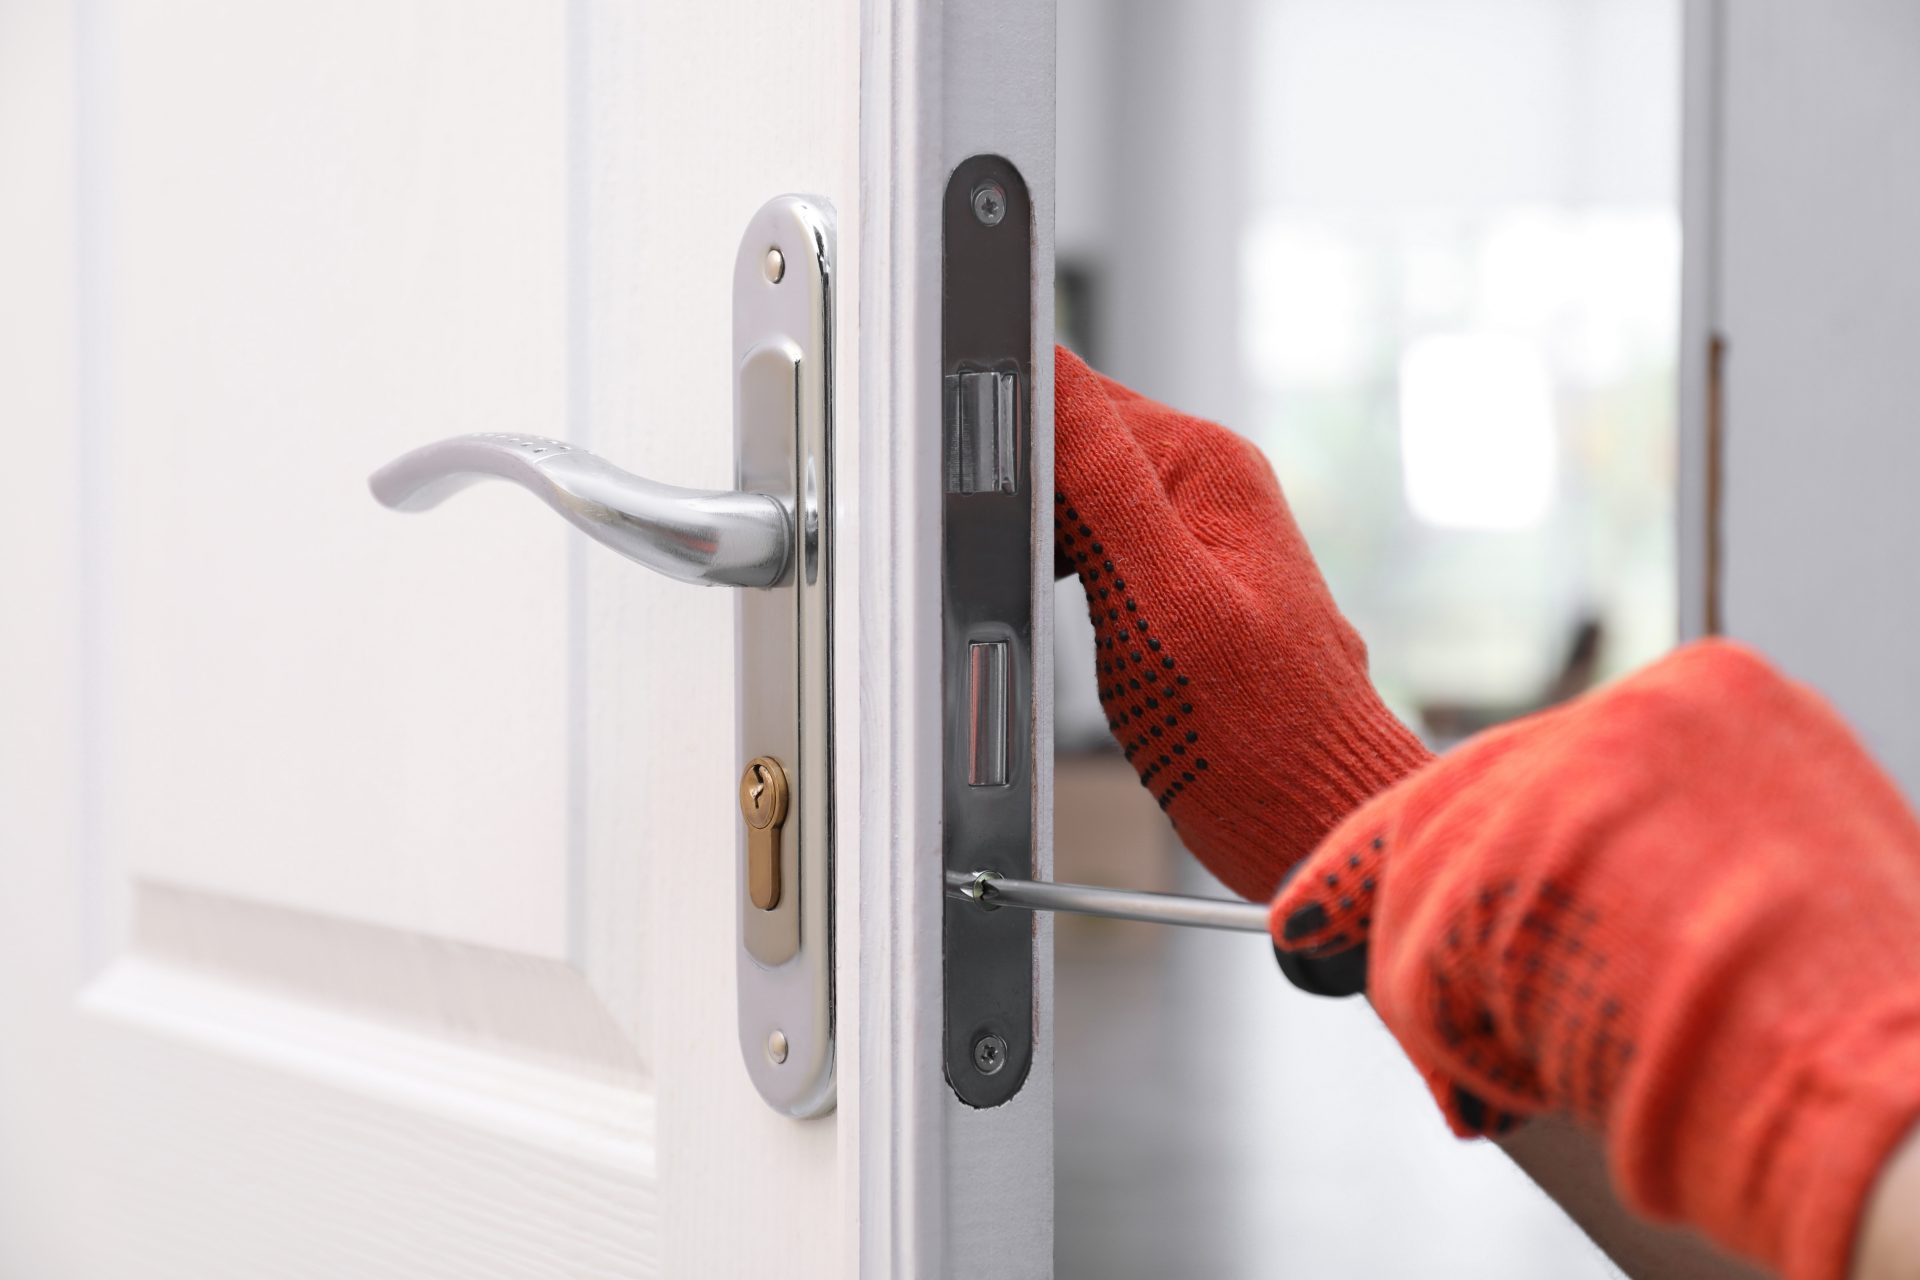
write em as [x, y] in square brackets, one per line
[1784, 1172]
[1858, 1103]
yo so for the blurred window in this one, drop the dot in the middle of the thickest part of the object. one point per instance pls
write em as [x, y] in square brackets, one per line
[1460, 293]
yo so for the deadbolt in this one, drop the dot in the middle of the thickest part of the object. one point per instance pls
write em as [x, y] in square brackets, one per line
[763, 803]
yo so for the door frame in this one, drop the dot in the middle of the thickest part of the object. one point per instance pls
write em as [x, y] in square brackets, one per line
[939, 1183]
[1699, 445]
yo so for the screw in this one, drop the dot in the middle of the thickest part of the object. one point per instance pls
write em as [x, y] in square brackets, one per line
[777, 1047]
[775, 266]
[990, 203]
[989, 1054]
[979, 890]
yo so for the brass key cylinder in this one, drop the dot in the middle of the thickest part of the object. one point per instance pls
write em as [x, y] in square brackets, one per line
[763, 803]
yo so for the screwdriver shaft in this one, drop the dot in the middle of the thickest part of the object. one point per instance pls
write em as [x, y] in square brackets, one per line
[988, 891]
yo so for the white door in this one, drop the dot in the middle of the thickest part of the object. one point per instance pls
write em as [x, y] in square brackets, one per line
[368, 898]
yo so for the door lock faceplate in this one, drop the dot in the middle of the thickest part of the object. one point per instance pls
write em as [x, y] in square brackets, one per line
[986, 338]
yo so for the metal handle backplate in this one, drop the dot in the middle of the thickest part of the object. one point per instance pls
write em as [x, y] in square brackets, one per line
[783, 291]
[772, 533]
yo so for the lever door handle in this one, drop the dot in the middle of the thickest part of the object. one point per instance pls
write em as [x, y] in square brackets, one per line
[717, 537]
[773, 530]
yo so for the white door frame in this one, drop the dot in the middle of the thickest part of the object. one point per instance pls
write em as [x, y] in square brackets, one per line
[942, 1186]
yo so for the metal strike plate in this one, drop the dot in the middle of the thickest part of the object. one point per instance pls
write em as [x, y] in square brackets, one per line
[987, 614]
[783, 436]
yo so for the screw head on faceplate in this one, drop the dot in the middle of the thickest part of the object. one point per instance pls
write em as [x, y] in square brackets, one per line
[990, 203]
[774, 265]
[989, 1054]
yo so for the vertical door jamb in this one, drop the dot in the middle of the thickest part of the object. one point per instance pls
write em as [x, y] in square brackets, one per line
[941, 1187]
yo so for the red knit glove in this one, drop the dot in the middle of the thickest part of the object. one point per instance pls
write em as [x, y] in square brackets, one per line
[1686, 911]
[1230, 679]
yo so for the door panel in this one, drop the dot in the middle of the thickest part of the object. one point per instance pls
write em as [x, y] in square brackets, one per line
[372, 251]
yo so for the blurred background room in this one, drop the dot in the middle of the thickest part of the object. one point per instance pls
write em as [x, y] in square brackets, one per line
[1426, 253]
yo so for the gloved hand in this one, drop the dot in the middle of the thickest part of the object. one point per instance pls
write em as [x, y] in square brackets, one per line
[1684, 910]
[1230, 679]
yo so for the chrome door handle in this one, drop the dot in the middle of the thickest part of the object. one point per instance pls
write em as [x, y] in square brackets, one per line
[773, 530]
[719, 537]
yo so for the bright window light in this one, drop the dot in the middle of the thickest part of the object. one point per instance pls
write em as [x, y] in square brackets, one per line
[1303, 326]
[1477, 447]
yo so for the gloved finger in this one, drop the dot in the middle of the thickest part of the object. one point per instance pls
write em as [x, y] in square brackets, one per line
[1326, 902]
[1110, 509]
[1098, 460]
[1454, 1027]
[1333, 974]
[1315, 955]
[1217, 487]
[1220, 483]
[1467, 1113]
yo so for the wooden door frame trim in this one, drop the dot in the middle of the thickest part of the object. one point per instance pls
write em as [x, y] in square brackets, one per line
[1701, 411]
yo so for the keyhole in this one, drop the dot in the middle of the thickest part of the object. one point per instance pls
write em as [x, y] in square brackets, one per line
[760, 781]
